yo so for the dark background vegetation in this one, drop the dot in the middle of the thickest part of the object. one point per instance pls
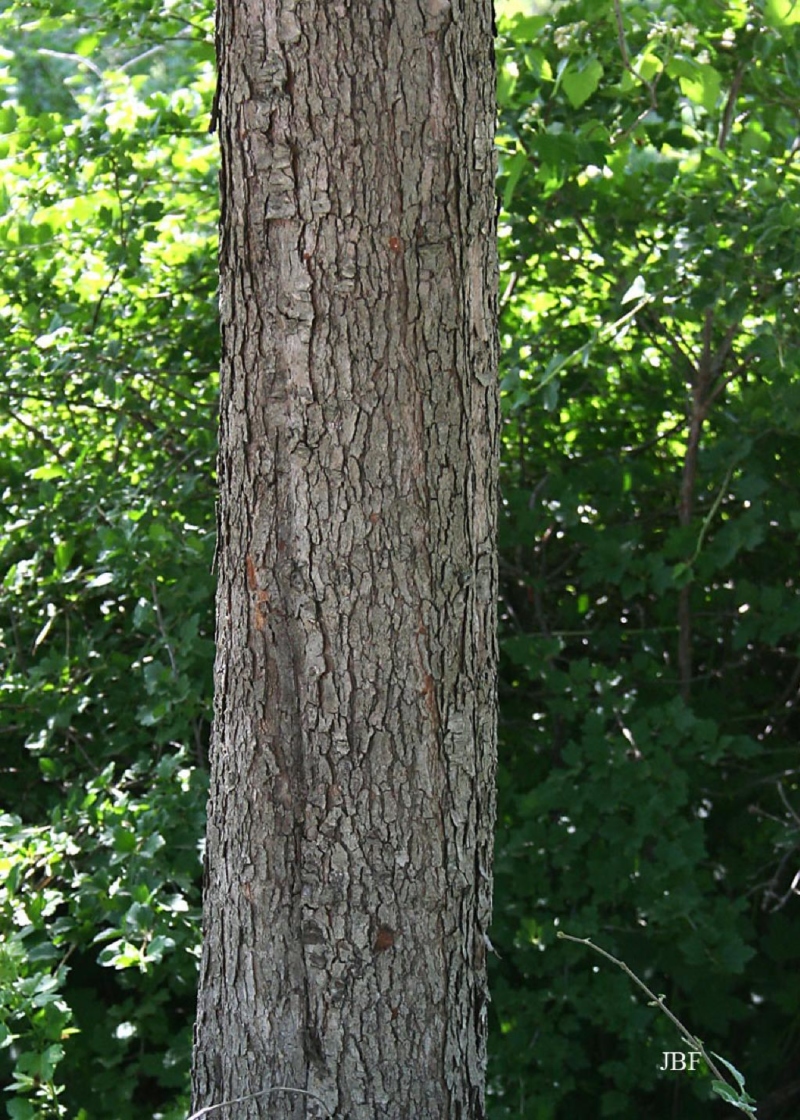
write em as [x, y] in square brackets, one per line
[650, 611]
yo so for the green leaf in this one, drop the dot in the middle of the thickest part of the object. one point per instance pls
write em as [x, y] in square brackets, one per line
[514, 168]
[581, 82]
[48, 472]
[722, 1089]
[537, 62]
[158, 947]
[8, 119]
[782, 13]
[124, 839]
[20, 1109]
[121, 954]
[701, 83]
[728, 1065]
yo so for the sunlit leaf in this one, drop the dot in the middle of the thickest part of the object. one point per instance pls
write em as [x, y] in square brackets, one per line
[581, 82]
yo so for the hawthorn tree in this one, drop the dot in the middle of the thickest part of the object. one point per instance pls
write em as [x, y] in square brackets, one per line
[348, 883]
[623, 808]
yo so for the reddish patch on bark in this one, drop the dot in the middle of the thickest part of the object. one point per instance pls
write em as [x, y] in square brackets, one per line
[384, 939]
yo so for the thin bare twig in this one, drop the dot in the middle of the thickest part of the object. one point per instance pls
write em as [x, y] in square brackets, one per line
[730, 106]
[261, 1093]
[788, 805]
[657, 1001]
[163, 629]
[37, 433]
[650, 86]
[505, 299]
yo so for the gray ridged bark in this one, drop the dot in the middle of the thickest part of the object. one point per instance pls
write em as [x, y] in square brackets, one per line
[348, 854]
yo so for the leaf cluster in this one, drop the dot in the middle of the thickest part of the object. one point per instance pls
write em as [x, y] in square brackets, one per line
[649, 621]
[108, 317]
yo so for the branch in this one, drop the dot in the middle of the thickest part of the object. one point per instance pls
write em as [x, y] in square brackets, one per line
[262, 1093]
[39, 435]
[505, 299]
[730, 106]
[162, 628]
[707, 384]
[623, 45]
[626, 62]
[657, 1001]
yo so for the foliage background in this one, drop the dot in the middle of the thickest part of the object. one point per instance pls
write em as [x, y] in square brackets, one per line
[650, 611]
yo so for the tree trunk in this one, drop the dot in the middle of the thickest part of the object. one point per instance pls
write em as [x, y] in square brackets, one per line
[348, 885]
